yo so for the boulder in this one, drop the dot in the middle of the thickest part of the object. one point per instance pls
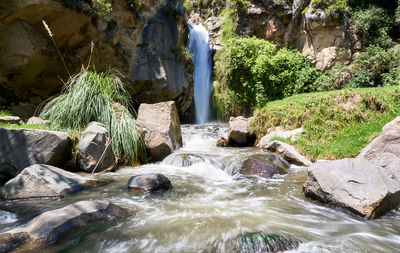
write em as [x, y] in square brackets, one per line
[50, 225]
[239, 133]
[280, 133]
[261, 242]
[93, 152]
[37, 121]
[162, 128]
[149, 183]
[354, 184]
[11, 120]
[264, 166]
[20, 148]
[43, 181]
[384, 150]
[288, 152]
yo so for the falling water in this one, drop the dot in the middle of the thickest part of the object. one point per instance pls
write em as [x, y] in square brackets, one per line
[200, 51]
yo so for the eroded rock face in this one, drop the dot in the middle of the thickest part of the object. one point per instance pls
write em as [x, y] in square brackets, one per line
[149, 183]
[264, 166]
[162, 128]
[354, 184]
[94, 152]
[49, 226]
[239, 133]
[384, 150]
[43, 181]
[30, 66]
[288, 152]
[20, 148]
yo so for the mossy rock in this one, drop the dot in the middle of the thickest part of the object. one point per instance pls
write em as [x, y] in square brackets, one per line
[261, 242]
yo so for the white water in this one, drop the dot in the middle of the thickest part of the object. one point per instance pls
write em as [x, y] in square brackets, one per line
[198, 46]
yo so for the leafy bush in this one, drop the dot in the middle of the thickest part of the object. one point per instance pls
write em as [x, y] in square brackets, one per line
[251, 72]
[333, 79]
[330, 5]
[103, 7]
[372, 25]
[91, 96]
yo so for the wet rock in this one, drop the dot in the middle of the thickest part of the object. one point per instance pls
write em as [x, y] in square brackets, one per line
[354, 184]
[263, 243]
[149, 183]
[239, 133]
[20, 148]
[384, 150]
[288, 152]
[11, 120]
[162, 128]
[51, 225]
[43, 181]
[93, 151]
[264, 166]
[223, 143]
[37, 121]
[183, 160]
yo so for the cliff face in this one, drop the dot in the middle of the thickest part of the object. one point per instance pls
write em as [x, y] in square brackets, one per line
[318, 35]
[31, 70]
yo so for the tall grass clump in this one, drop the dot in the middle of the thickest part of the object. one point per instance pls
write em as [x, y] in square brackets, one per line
[91, 96]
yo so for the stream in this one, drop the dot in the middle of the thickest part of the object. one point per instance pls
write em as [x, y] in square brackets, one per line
[209, 205]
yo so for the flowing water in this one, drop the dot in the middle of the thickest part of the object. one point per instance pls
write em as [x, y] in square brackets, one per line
[209, 205]
[199, 48]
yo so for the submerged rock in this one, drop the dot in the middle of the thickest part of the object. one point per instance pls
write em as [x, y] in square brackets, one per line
[93, 146]
[43, 181]
[354, 184]
[162, 128]
[263, 243]
[11, 120]
[49, 226]
[149, 183]
[20, 148]
[223, 143]
[264, 166]
[384, 150]
[288, 152]
[239, 133]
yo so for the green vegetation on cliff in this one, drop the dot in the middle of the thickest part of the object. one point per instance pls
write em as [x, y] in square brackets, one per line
[251, 72]
[338, 124]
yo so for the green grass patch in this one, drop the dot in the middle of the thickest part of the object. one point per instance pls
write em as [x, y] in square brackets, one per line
[338, 124]
[5, 113]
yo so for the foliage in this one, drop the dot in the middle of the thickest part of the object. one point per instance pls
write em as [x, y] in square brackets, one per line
[338, 124]
[333, 79]
[251, 72]
[91, 96]
[134, 4]
[103, 7]
[330, 5]
[372, 25]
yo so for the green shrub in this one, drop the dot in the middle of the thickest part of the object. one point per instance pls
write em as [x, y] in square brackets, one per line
[392, 77]
[103, 7]
[333, 79]
[91, 96]
[251, 72]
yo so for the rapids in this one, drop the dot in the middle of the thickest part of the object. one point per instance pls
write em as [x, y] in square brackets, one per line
[209, 205]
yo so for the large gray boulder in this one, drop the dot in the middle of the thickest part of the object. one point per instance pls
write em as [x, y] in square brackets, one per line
[288, 152]
[384, 150]
[43, 181]
[20, 148]
[49, 226]
[239, 133]
[162, 128]
[354, 184]
[93, 152]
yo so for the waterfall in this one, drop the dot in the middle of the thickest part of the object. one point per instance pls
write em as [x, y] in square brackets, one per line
[200, 51]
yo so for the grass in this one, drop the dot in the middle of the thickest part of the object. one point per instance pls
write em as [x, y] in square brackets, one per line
[5, 113]
[338, 124]
[91, 96]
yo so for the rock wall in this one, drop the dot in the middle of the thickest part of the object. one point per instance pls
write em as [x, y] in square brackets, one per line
[31, 70]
